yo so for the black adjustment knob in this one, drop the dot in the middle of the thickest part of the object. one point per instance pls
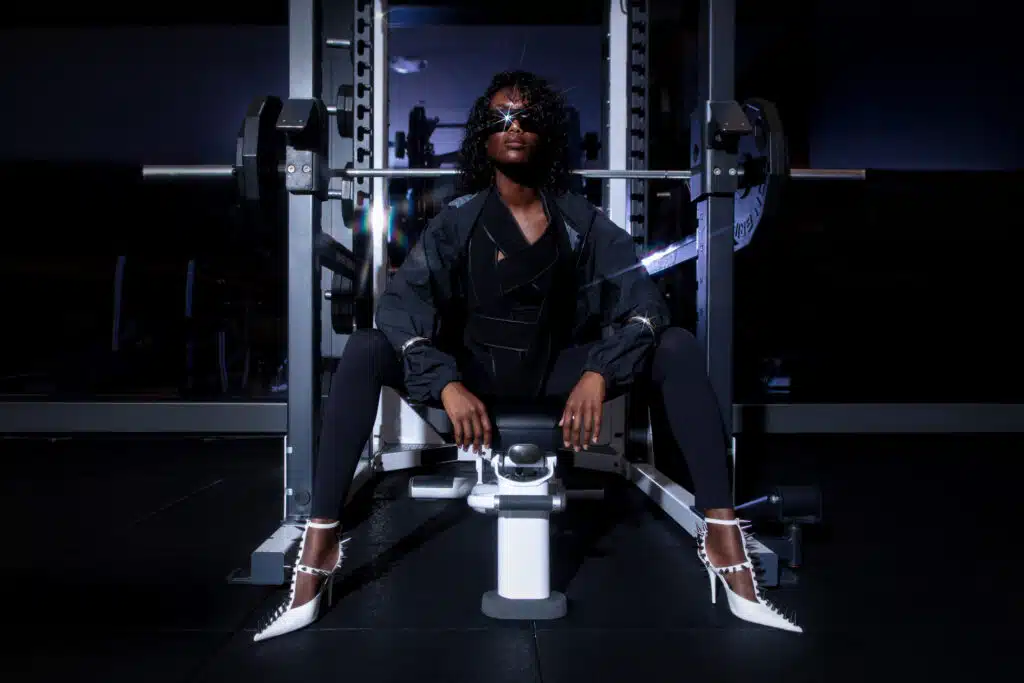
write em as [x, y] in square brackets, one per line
[525, 454]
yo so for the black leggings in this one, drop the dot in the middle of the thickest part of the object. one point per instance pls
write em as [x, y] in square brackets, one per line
[676, 371]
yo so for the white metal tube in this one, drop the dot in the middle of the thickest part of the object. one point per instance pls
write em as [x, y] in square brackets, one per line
[388, 405]
[379, 217]
[617, 108]
[524, 548]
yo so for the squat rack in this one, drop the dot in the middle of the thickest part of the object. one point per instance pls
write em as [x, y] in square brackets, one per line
[270, 417]
[322, 58]
[320, 62]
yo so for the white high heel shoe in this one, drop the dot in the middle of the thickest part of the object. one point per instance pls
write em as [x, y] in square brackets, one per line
[757, 612]
[286, 618]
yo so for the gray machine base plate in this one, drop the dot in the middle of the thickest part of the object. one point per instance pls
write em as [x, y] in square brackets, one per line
[555, 606]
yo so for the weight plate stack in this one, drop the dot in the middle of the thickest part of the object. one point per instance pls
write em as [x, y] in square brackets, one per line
[259, 154]
[764, 158]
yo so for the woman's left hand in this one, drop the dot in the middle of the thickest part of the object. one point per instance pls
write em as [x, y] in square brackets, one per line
[581, 419]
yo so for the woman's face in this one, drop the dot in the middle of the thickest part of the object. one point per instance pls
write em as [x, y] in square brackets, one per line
[515, 139]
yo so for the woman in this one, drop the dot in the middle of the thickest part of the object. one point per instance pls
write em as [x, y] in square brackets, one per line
[505, 296]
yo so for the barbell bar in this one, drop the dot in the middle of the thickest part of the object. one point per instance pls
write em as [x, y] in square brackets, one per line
[761, 167]
[197, 172]
[225, 171]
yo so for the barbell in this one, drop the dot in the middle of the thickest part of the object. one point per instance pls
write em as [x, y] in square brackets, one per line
[762, 165]
[197, 172]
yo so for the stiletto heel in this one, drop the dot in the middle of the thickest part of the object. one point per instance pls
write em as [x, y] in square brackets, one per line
[758, 611]
[286, 618]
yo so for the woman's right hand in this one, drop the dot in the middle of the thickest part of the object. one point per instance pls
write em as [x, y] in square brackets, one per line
[468, 415]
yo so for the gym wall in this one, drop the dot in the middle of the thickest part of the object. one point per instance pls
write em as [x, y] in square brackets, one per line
[166, 95]
[915, 85]
[159, 95]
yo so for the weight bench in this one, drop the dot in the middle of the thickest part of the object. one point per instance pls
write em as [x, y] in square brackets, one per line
[409, 435]
[412, 435]
[515, 481]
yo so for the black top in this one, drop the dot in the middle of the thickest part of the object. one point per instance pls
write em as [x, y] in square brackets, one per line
[513, 302]
[425, 303]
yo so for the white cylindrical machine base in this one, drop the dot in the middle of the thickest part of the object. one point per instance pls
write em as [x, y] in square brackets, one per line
[524, 545]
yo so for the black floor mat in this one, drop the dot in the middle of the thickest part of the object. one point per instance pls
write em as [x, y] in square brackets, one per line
[117, 553]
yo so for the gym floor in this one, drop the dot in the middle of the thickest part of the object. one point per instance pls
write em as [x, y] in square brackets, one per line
[117, 552]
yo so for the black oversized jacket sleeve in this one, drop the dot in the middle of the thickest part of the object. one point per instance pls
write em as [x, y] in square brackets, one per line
[409, 311]
[632, 308]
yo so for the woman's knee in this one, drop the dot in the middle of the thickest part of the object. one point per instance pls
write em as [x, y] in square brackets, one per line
[362, 342]
[677, 352]
[677, 342]
[366, 349]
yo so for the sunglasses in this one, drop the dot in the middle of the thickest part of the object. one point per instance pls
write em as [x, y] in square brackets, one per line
[502, 118]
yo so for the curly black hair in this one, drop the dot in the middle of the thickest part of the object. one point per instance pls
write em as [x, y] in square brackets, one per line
[547, 107]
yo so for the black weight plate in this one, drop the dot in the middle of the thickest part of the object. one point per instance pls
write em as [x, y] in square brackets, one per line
[352, 302]
[764, 158]
[417, 136]
[362, 300]
[342, 310]
[240, 162]
[417, 122]
[262, 151]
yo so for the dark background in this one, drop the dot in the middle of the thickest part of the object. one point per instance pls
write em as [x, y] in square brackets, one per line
[900, 288]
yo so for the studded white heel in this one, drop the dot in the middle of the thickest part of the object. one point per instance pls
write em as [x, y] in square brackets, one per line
[286, 618]
[756, 612]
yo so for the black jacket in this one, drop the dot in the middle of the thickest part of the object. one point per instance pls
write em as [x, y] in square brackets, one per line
[618, 305]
